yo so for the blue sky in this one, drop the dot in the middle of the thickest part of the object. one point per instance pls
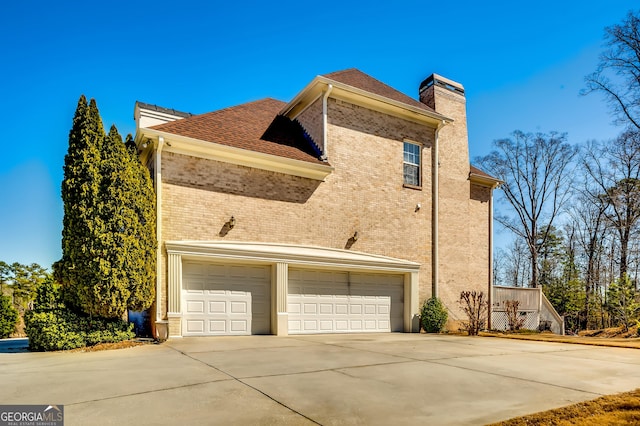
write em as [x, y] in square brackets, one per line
[522, 65]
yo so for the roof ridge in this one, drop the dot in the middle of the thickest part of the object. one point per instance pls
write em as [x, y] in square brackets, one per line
[356, 78]
[229, 108]
[159, 108]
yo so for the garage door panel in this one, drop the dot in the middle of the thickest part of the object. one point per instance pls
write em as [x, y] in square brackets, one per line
[195, 307]
[326, 326]
[217, 327]
[370, 309]
[294, 308]
[328, 302]
[239, 308]
[236, 302]
[342, 309]
[195, 326]
[217, 307]
[239, 326]
[326, 309]
[295, 326]
[371, 325]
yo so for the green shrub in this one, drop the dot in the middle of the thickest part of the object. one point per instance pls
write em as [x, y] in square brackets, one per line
[53, 327]
[52, 331]
[48, 297]
[8, 317]
[433, 315]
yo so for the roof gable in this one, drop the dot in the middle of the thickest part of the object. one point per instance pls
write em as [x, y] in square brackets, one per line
[356, 78]
[253, 126]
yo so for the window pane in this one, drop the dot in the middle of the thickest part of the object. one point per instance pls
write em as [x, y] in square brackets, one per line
[411, 166]
[411, 153]
[411, 175]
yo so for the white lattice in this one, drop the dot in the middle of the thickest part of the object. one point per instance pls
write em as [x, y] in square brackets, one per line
[499, 320]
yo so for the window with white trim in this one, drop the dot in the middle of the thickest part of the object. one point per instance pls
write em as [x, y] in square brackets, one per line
[411, 164]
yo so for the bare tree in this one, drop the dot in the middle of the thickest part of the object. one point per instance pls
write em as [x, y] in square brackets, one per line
[587, 216]
[511, 265]
[618, 73]
[535, 171]
[614, 169]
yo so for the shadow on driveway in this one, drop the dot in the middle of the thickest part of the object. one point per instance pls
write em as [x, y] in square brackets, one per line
[12, 346]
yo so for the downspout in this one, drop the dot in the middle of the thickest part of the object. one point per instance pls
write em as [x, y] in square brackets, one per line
[435, 166]
[325, 99]
[490, 293]
[158, 182]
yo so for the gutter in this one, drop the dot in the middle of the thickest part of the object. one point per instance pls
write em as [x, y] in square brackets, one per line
[325, 99]
[158, 182]
[490, 292]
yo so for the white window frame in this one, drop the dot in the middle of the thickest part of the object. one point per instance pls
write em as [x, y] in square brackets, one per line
[417, 163]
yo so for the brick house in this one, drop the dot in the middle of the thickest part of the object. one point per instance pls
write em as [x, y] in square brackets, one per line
[321, 215]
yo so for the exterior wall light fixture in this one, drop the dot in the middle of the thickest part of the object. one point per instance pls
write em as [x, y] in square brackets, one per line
[232, 222]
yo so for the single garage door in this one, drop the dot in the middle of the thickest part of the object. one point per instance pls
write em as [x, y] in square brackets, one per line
[225, 299]
[343, 302]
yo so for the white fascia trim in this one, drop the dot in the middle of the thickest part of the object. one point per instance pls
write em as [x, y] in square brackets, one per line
[485, 181]
[243, 157]
[372, 100]
[309, 256]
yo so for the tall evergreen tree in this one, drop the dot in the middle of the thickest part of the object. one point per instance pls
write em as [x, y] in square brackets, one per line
[80, 194]
[142, 233]
[108, 262]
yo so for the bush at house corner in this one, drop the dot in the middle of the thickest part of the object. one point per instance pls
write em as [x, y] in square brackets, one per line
[433, 316]
[52, 327]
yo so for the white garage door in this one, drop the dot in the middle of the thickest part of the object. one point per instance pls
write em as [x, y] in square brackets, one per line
[225, 299]
[343, 302]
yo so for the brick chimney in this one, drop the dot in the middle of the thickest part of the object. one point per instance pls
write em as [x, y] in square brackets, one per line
[446, 97]
[455, 249]
[436, 90]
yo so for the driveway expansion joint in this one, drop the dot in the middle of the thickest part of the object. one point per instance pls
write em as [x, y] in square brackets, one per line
[107, 398]
[248, 385]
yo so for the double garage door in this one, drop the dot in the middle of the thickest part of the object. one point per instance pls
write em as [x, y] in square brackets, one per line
[343, 302]
[235, 300]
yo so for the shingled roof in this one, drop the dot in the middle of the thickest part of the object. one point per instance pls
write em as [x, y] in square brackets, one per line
[252, 126]
[356, 78]
[257, 126]
[473, 170]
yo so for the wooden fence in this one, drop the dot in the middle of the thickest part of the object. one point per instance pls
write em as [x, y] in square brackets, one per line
[534, 309]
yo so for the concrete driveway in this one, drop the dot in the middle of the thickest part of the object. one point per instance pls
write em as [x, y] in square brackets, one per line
[327, 379]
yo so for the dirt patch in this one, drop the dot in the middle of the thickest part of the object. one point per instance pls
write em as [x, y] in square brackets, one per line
[620, 409]
[614, 332]
[110, 346]
[598, 340]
